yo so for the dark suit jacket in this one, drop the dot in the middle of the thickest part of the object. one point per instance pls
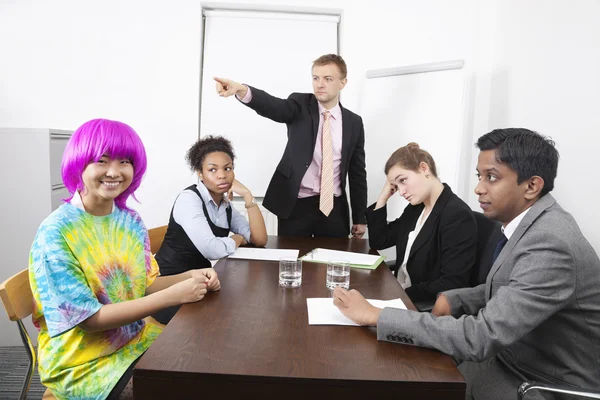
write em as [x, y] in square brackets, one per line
[300, 112]
[444, 252]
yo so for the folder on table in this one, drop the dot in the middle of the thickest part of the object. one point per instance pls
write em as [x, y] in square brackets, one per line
[356, 260]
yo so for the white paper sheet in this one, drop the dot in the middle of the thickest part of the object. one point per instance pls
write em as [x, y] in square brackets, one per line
[326, 255]
[321, 311]
[250, 253]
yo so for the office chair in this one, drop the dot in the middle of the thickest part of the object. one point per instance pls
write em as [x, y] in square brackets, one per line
[157, 235]
[17, 298]
[526, 387]
[488, 235]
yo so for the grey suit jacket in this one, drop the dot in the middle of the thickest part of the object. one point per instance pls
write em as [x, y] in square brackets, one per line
[538, 312]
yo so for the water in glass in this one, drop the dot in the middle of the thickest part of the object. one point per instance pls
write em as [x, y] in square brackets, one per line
[290, 272]
[338, 275]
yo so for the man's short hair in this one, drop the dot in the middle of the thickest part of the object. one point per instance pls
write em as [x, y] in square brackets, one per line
[333, 59]
[526, 152]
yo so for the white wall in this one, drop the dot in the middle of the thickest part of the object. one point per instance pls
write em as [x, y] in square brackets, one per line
[65, 62]
[138, 61]
[544, 74]
[534, 64]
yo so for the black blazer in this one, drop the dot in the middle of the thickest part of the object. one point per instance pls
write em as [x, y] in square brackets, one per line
[442, 255]
[300, 112]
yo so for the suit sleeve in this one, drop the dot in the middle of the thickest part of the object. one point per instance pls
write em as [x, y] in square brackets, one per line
[383, 234]
[458, 242]
[274, 108]
[466, 300]
[541, 283]
[357, 178]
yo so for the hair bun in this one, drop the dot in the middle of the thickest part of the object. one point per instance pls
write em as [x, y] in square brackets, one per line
[413, 145]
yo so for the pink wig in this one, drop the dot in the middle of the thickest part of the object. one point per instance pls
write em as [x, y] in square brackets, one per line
[96, 138]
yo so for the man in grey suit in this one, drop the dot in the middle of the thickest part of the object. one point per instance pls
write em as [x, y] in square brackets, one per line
[537, 317]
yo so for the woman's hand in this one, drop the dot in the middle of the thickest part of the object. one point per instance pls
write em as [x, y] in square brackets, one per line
[388, 191]
[212, 279]
[190, 290]
[238, 188]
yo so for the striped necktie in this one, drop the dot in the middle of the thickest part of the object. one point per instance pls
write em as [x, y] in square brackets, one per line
[326, 198]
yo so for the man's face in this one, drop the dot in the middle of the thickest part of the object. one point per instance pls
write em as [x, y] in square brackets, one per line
[500, 197]
[327, 83]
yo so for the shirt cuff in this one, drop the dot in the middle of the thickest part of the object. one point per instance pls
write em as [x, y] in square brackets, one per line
[247, 98]
[246, 235]
[229, 245]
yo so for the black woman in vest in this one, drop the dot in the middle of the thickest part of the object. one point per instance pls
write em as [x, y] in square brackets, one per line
[202, 217]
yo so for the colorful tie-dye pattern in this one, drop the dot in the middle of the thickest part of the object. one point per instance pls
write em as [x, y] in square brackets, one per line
[78, 262]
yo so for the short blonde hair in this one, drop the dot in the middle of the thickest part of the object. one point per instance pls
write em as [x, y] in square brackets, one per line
[332, 59]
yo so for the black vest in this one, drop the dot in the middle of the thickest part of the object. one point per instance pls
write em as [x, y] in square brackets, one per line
[178, 253]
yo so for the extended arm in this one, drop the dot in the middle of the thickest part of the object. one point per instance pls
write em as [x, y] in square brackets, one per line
[274, 108]
[541, 283]
[115, 315]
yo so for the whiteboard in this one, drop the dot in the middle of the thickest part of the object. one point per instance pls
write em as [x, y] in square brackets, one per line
[273, 52]
[426, 108]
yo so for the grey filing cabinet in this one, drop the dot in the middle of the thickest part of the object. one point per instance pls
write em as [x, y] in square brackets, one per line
[32, 187]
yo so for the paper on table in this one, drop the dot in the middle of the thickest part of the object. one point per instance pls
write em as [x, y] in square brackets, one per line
[250, 253]
[358, 260]
[321, 311]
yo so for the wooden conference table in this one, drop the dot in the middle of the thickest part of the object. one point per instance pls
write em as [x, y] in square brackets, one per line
[252, 339]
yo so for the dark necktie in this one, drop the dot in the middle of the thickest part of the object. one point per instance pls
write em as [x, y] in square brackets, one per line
[499, 247]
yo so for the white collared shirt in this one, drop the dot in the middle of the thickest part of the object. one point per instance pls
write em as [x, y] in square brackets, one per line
[512, 225]
[311, 182]
[403, 276]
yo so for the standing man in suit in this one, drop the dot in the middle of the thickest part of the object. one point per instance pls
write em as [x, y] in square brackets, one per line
[537, 317]
[325, 143]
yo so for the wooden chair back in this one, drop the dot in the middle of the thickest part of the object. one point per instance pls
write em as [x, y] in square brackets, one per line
[17, 298]
[157, 235]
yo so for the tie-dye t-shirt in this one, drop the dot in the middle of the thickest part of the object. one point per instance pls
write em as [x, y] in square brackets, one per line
[79, 262]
